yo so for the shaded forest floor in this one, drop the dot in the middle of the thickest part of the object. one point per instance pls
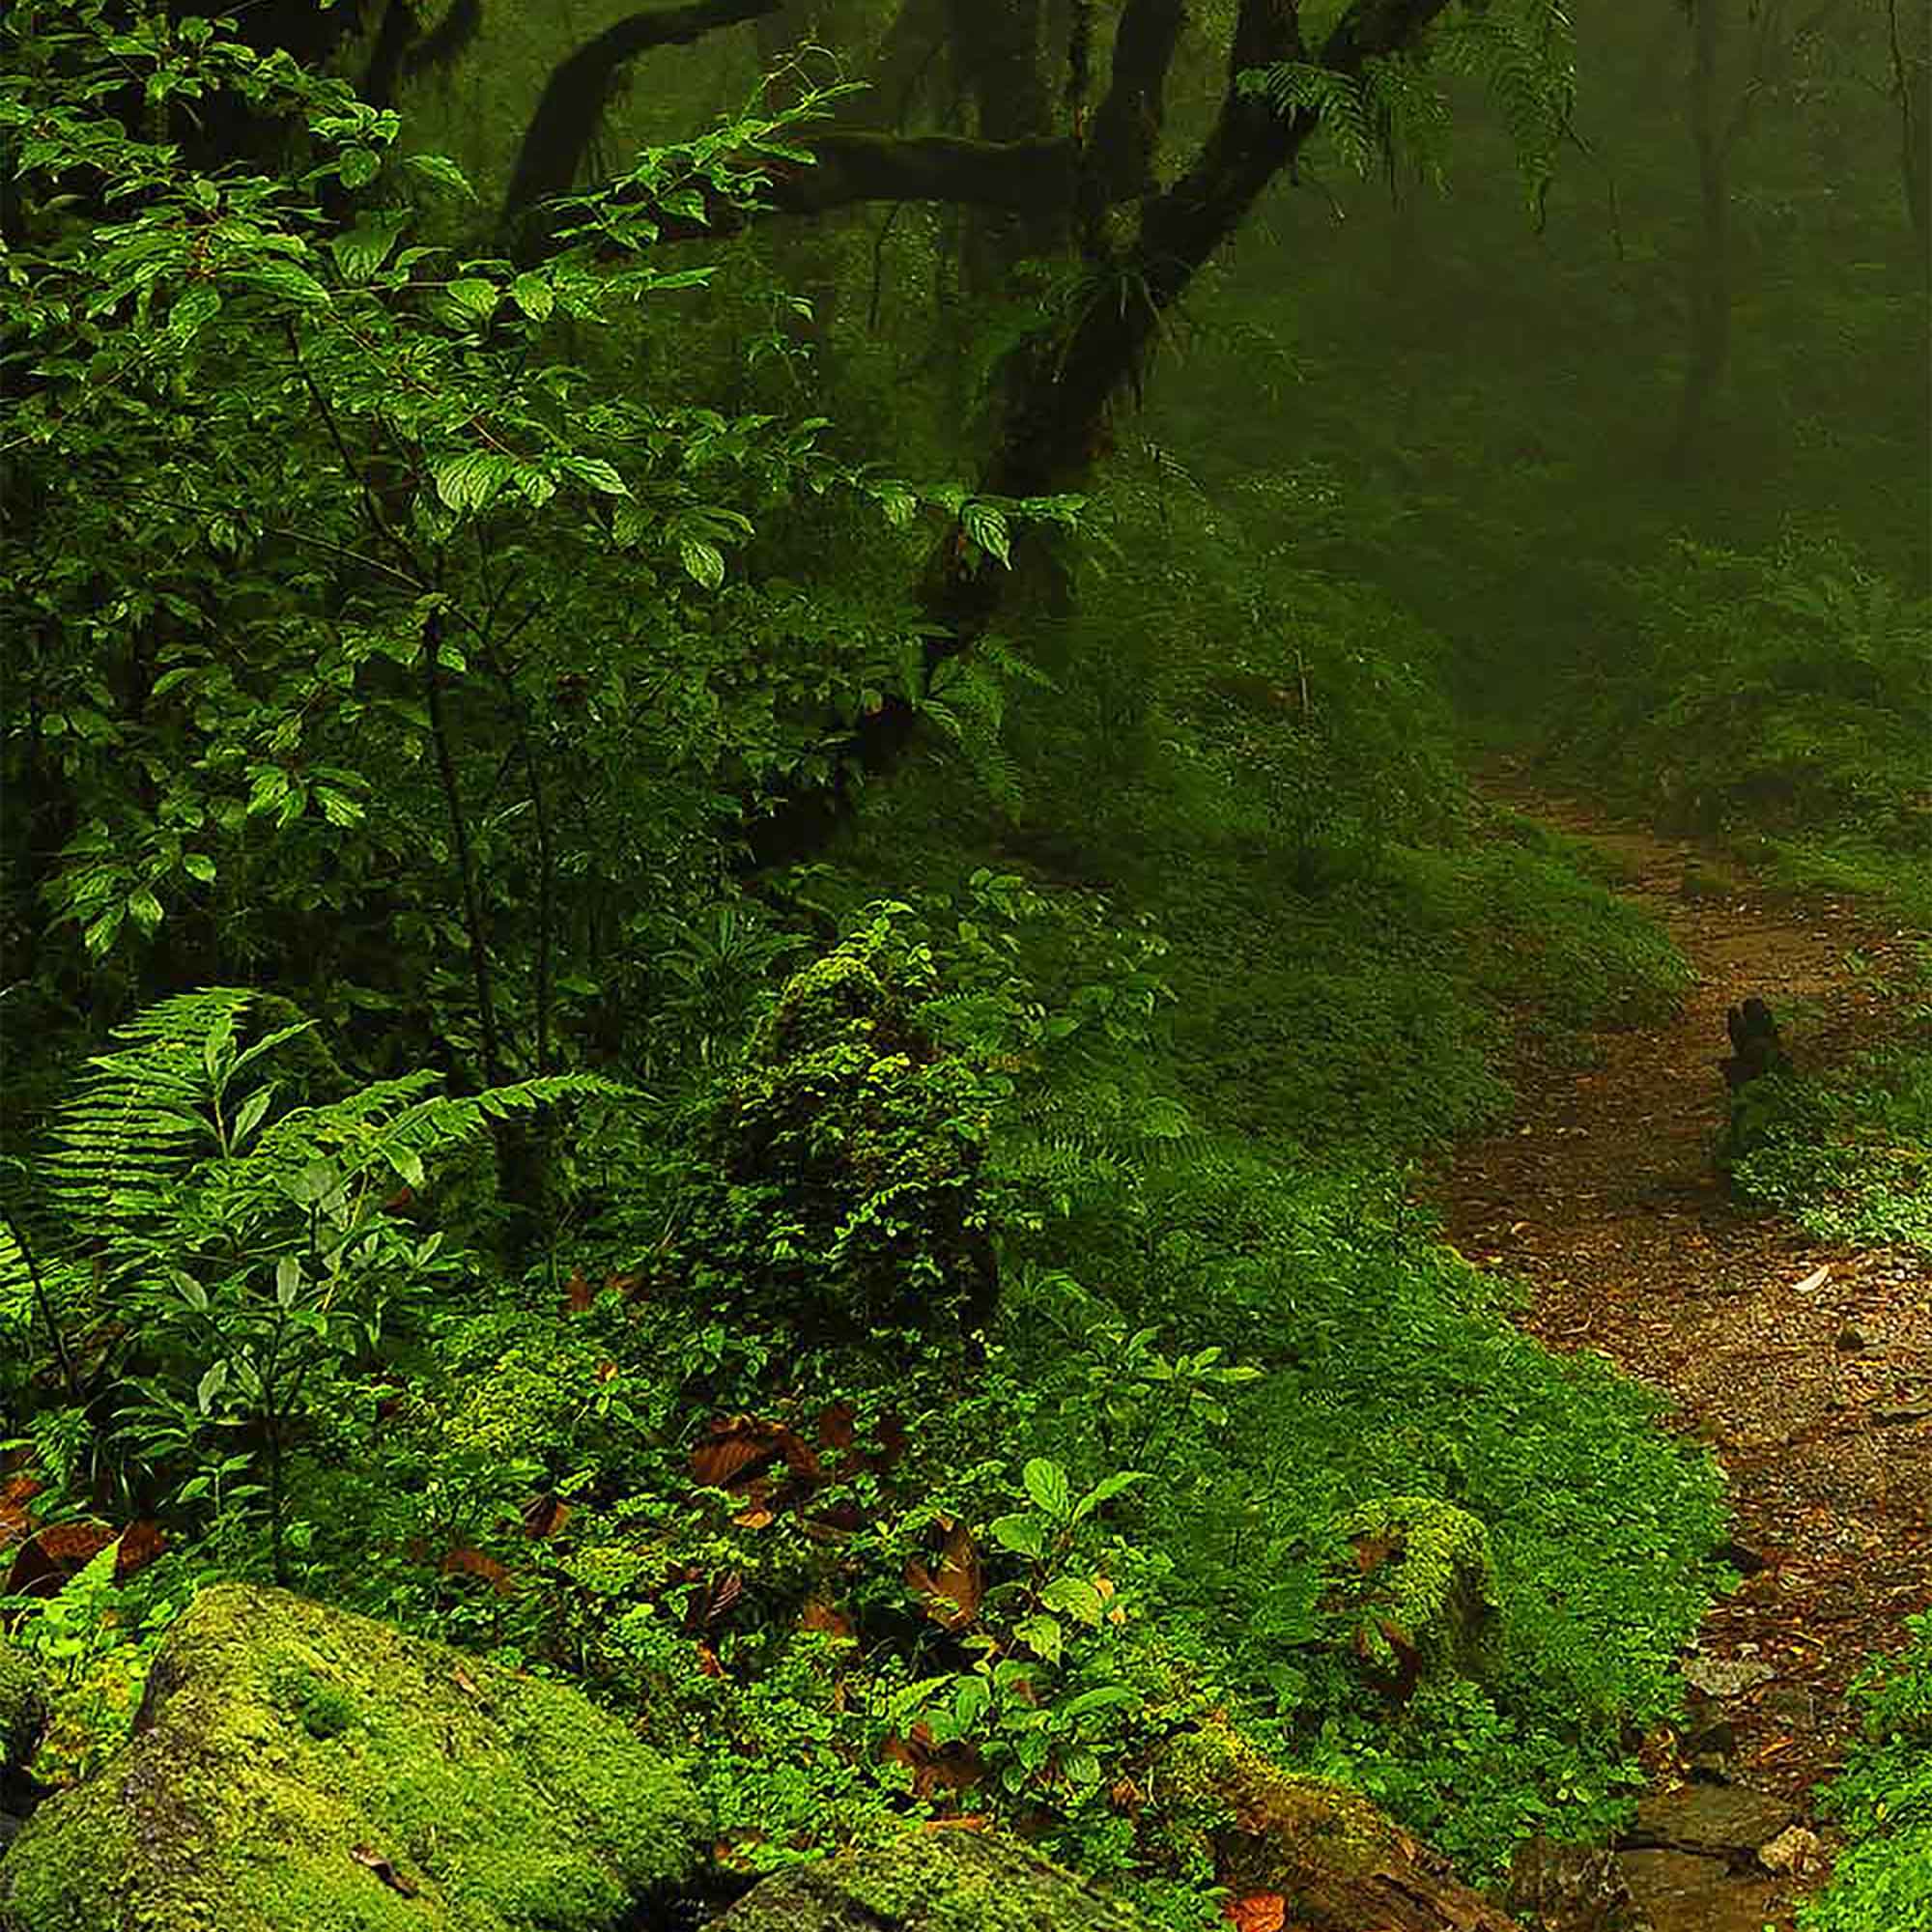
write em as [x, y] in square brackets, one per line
[1807, 1366]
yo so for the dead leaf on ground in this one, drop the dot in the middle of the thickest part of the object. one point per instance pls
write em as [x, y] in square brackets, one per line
[141, 1541]
[464, 1561]
[935, 1766]
[733, 1449]
[15, 1521]
[950, 1586]
[1258, 1912]
[54, 1553]
[544, 1516]
[828, 1619]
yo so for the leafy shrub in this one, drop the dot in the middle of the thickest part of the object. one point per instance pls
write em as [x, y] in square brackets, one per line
[1882, 1802]
[1786, 690]
[1850, 1154]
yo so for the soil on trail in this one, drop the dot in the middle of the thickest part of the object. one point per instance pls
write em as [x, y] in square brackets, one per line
[1807, 1366]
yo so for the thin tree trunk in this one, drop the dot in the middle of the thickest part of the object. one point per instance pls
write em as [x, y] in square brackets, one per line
[465, 858]
[1709, 344]
[1912, 89]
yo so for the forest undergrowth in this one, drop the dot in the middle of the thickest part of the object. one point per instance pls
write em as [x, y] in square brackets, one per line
[901, 1276]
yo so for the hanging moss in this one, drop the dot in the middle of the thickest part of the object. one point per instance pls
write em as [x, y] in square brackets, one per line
[295, 1767]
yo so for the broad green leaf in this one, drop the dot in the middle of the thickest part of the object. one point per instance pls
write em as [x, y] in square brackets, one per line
[1104, 1698]
[898, 503]
[986, 526]
[361, 252]
[287, 282]
[210, 1386]
[596, 473]
[358, 166]
[474, 298]
[249, 1116]
[705, 562]
[145, 909]
[101, 932]
[1024, 1535]
[1046, 1483]
[338, 807]
[195, 305]
[537, 485]
[971, 1701]
[1106, 1489]
[1076, 1598]
[199, 865]
[469, 481]
[533, 296]
[1041, 1635]
[442, 170]
[288, 1280]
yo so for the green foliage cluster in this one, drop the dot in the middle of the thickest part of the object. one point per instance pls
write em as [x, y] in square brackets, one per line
[951, 1344]
[1787, 692]
[1851, 1153]
[1882, 1802]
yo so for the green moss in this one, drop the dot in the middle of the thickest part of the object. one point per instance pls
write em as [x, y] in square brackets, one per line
[1432, 1582]
[1262, 1828]
[928, 1882]
[851, 1147]
[23, 1706]
[300, 1768]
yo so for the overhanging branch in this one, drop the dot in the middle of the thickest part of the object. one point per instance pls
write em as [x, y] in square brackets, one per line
[581, 84]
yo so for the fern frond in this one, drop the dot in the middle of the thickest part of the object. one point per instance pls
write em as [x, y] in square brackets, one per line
[141, 1120]
[1526, 57]
[398, 1126]
[1338, 101]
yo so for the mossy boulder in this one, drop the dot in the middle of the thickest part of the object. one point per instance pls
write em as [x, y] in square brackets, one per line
[930, 1882]
[1424, 1592]
[23, 1708]
[295, 1767]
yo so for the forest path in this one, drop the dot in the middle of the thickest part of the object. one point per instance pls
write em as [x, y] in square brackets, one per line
[1807, 1366]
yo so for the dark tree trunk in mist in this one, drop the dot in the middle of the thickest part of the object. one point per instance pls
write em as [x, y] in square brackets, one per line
[1710, 291]
[1912, 90]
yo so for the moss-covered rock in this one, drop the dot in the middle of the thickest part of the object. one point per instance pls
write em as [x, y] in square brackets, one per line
[930, 1882]
[1426, 1590]
[295, 1767]
[23, 1708]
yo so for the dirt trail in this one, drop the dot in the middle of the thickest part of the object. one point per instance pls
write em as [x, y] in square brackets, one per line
[1807, 1367]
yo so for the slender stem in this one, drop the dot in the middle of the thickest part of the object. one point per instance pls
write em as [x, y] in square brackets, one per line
[465, 858]
[44, 1303]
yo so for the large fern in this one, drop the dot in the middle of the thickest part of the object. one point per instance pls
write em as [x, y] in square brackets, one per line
[140, 1116]
[173, 1139]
